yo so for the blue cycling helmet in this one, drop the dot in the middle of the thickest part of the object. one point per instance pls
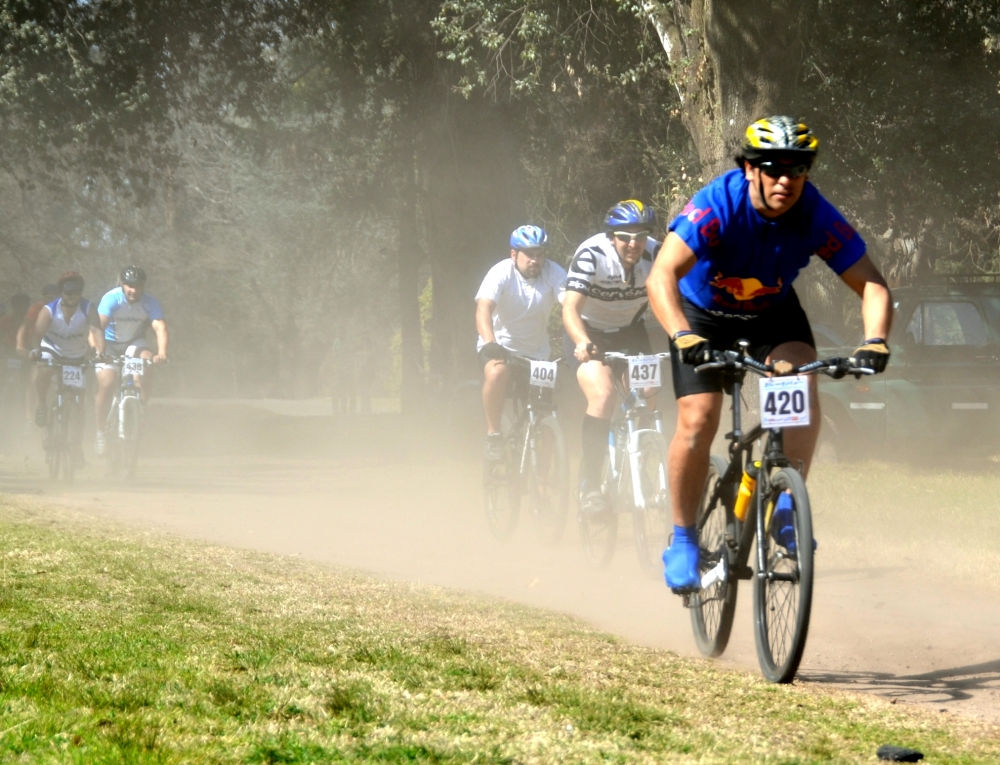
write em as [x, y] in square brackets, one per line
[630, 212]
[528, 238]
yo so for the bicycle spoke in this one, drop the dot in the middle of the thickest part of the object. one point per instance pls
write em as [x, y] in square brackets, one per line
[712, 610]
[782, 606]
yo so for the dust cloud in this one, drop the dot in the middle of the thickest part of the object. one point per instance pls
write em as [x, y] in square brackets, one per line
[402, 499]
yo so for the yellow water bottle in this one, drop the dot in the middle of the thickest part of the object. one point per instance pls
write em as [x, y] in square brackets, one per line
[747, 486]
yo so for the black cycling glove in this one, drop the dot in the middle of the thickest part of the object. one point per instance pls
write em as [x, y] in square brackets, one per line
[493, 351]
[693, 349]
[872, 354]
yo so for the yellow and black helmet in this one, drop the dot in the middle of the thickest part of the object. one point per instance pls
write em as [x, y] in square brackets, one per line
[779, 134]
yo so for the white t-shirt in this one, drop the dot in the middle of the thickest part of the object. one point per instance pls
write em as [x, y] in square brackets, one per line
[613, 301]
[521, 316]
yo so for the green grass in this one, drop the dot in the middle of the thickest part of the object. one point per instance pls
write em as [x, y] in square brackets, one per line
[117, 647]
[941, 520]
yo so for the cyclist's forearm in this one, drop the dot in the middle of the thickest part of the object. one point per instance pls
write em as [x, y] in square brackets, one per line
[97, 340]
[876, 310]
[572, 320]
[665, 300]
[484, 320]
[663, 286]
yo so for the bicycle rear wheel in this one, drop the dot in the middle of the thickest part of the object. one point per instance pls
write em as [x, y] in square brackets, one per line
[783, 591]
[549, 481]
[651, 525]
[599, 531]
[713, 609]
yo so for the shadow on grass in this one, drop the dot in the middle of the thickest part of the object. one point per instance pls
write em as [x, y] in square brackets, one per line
[939, 686]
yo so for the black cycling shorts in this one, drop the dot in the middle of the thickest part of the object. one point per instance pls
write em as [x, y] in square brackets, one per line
[783, 323]
[631, 340]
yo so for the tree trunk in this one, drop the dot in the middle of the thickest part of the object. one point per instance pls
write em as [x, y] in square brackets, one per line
[733, 62]
[412, 388]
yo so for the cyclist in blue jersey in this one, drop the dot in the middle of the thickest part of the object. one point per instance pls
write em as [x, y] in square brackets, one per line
[126, 313]
[725, 273]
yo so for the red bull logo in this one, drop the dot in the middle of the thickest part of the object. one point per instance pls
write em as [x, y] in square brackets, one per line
[744, 289]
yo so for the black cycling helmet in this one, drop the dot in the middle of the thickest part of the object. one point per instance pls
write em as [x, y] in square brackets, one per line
[133, 276]
[779, 135]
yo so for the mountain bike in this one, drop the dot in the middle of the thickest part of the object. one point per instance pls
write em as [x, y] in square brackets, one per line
[123, 428]
[635, 473]
[783, 573]
[65, 416]
[534, 463]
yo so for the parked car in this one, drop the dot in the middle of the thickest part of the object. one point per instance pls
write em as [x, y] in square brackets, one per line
[942, 387]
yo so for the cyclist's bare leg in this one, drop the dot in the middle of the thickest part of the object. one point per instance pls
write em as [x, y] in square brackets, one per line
[144, 382]
[496, 376]
[107, 379]
[598, 386]
[697, 420]
[43, 377]
[800, 443]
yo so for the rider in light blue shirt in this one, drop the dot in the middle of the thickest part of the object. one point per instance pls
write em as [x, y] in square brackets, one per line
[126, 313]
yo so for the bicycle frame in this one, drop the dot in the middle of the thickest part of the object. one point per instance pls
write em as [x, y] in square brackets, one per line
[741, 448]
[633, 409]
[126, 388]
[537, 403]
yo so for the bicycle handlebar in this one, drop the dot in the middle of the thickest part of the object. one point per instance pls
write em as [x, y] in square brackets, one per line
[123, 359]
[523, 361]
[834, 367]
[608, 356]
[83, 363]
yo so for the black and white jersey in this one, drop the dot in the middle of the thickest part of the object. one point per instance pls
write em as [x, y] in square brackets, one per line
[614, 299]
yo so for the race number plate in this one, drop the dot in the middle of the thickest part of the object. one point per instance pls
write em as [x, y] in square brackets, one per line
[13, 363]
[133, 367]
[644, 372]
[72, 377]
[784, 402]
[543, 374]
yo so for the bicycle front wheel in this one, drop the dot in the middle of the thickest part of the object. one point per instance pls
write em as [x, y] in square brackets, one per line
[53, 444]
[549, 481]
[131, 422]
[502, 491]
[652, 524]
[599, 531]
[783, 590]
[712, 609]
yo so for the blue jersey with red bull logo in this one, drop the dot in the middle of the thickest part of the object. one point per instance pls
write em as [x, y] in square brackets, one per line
[746, 262]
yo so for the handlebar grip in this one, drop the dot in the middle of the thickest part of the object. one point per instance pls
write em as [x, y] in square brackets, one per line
[711, 365]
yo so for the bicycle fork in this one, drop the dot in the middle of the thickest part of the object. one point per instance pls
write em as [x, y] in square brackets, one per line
[635, 452]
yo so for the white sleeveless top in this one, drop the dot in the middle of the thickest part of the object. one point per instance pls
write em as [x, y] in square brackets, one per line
[67, 338]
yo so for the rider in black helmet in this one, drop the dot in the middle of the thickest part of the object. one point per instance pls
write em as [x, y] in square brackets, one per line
[126, 313]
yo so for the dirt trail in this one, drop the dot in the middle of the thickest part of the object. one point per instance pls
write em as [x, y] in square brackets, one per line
[414, 516]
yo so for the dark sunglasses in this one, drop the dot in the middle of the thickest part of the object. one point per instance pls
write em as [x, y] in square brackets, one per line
[627, 237]
[780, 169]
[72, 293]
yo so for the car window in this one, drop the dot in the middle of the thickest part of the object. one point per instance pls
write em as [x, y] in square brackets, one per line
[957, 323]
